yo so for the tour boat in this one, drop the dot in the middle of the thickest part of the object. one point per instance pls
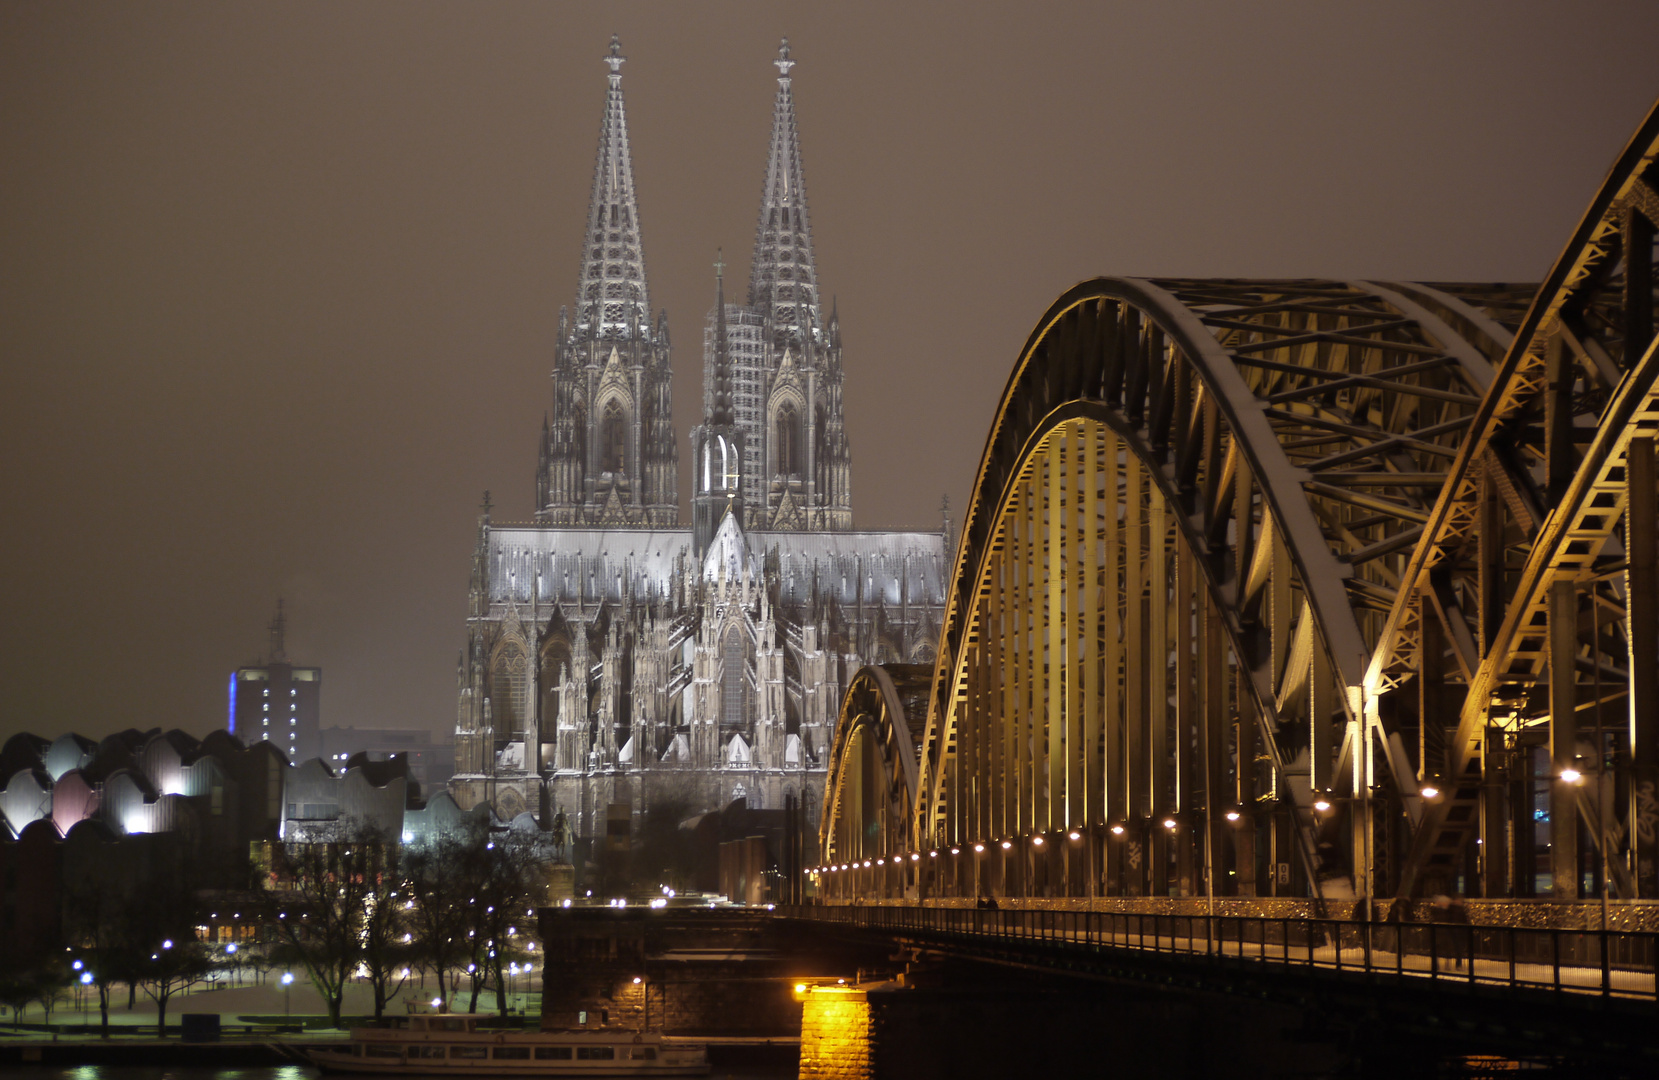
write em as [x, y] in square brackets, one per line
[452, 1044]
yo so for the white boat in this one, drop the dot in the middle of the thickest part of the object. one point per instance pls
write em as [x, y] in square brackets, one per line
[453, 1044]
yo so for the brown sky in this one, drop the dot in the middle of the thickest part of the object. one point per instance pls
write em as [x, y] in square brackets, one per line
[279, 282]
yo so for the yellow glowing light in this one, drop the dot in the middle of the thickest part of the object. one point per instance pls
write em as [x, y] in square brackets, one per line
[800, 988]
[1571, 776]
[1117, 830]
[1321, 805]
[1075, 835]
[979, 847]
[1006, 844]
[1232, 815]
[1169, 823]
[1429, 791]
[1037, 841]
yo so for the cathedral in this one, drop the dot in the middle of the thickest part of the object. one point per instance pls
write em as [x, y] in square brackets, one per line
[614, 656]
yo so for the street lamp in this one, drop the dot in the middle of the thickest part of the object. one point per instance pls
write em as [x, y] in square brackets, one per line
[287, 993]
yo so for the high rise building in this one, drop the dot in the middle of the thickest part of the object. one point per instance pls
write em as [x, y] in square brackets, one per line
[277, 702]
[613, 656]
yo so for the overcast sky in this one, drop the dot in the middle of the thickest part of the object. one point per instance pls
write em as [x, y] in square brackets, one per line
[279, 282]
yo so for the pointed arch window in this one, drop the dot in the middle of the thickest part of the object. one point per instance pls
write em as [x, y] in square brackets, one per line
[731, 679]
[786, 432]
[510, 691]
[613, 439]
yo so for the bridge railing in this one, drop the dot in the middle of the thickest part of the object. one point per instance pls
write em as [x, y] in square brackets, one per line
[1613, 963]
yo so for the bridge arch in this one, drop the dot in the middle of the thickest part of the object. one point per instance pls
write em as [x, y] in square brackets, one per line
[871, 790]
[1265, 586]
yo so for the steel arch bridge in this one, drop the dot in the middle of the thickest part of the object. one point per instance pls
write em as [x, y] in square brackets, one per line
[1330, 589]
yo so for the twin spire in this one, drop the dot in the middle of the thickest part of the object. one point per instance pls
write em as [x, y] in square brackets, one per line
[612, 299]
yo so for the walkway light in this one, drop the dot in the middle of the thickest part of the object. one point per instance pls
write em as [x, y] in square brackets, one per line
[1321, 805]
[1169, 823]
[636, 980]
[1037, 841]
[86, 978]
[1006, 844]
[167, 944]
[76, 965]
[1232, 815]
[915, 856]
[1429, 791]
[1571, 776]
[956, 851]
[933, 854]
[1074, 835]
[979, 848]
[287, 978]
[231, 948]
[1117, 830]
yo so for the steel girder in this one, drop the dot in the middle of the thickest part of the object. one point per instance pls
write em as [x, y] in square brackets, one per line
[1546, 461]
[1296, 432]
[1341, 493]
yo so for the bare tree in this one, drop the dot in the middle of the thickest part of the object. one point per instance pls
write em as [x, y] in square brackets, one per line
[385, 955]
[437, 892]
[506, 875]
[318, 903]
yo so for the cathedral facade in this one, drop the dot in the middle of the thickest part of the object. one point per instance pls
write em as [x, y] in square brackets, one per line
[615, 656]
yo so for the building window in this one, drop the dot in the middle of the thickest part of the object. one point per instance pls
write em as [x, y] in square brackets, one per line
[509, 686]
[788, 435]
[613, 439]
[731, 682]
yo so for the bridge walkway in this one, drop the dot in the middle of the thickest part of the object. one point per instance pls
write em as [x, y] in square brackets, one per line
[1605, 963]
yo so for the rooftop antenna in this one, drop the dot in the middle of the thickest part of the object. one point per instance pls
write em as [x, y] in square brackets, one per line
[279, 627]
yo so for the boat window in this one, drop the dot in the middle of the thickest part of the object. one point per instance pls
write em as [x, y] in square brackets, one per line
[595, 1053]
[425, 1051]
[391, 1050]
[475, 1053]
[511, 1053]
[552, 1053]
[453, 1024]
[643, 1053]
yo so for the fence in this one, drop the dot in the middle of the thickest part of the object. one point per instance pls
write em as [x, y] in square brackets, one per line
[1612, 963]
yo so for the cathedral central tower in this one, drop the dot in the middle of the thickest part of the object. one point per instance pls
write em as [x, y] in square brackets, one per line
[608, 455]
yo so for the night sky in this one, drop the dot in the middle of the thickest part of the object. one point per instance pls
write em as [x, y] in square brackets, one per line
[279, 283]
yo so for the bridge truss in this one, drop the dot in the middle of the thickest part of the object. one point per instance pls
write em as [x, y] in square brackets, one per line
[1296, 588]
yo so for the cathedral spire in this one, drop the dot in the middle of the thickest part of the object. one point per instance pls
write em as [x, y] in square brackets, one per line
[783, 277]
[611, 297]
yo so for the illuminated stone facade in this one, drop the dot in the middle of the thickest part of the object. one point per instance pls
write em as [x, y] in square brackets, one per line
[613, 655]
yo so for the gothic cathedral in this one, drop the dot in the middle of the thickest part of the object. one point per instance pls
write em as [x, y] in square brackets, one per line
[614, 656]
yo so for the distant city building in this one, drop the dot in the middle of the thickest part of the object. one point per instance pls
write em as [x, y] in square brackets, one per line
[429, 761]
[277, 702]
[614, 656]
